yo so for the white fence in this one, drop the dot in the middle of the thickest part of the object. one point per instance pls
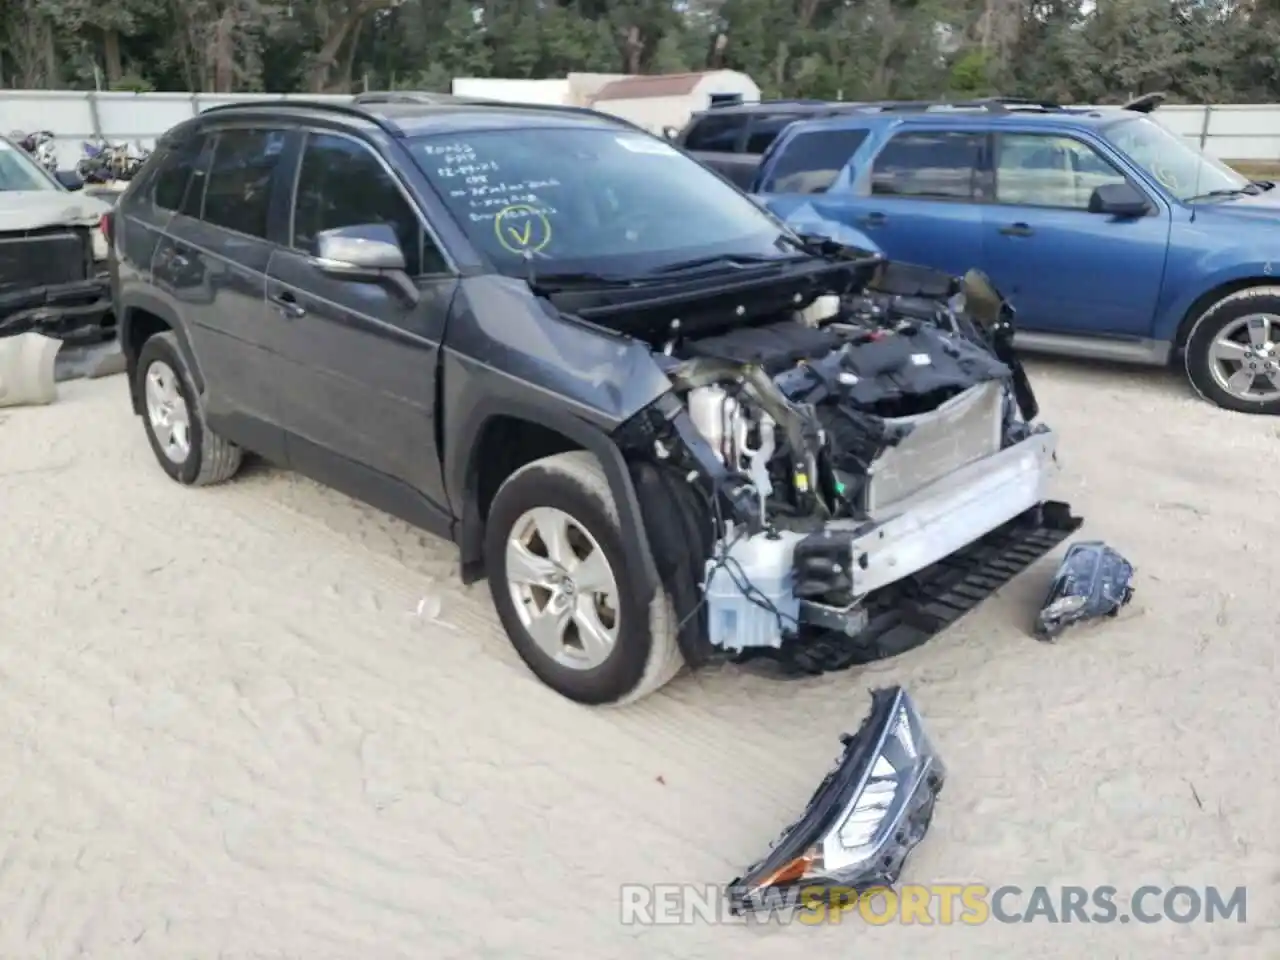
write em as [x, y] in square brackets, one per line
[1230, 131]
[73, 116]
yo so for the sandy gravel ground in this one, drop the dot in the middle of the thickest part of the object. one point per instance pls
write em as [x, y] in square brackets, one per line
[227, 730]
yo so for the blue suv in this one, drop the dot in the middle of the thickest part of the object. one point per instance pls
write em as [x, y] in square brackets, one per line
[1113, 237]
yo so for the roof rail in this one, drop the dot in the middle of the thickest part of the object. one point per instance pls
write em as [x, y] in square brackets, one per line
[417, 96]
[353, 109]
[990, 104]
[347, 109]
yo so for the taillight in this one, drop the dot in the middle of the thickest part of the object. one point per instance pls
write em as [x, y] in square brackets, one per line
[105, 225]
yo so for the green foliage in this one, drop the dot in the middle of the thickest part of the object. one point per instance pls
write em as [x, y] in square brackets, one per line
[1070, 50]
[132, 83]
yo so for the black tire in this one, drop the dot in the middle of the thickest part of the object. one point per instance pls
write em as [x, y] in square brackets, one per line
[646, 654]
[210, 459]
[1207, 329]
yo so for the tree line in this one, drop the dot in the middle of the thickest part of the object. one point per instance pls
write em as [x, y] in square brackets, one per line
[1092, 51]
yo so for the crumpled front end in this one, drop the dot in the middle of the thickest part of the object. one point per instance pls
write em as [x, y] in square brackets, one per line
[852, 477]
[53, 282]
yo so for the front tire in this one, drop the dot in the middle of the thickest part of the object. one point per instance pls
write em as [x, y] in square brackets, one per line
[1233, 352]
[556, 568]
[186, 449]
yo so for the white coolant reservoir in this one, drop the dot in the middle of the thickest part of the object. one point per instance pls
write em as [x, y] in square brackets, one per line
[763, 561]
[713, 413]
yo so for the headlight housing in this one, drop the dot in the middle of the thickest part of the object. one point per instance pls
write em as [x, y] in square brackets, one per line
[865, 817]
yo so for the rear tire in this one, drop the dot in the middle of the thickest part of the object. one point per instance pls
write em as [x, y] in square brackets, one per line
[642, 653]
[192, 454]
[1240, 329]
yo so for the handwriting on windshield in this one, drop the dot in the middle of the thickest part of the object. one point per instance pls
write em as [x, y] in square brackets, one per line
[488, 194]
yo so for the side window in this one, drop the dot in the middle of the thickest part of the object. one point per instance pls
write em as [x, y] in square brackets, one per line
[174, 174]
[1047, 171]
[764, 130]
[810, 162]
[238, 194]
[193, 200]
[929, 165]
[342, 184]
[715, 134]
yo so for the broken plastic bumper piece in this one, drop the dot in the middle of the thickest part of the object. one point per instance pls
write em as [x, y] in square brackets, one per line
[1093, 581]
[867, 815]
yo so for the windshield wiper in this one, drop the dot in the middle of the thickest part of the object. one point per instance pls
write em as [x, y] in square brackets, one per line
[1249, 190]
[729, 259]
[561, 281]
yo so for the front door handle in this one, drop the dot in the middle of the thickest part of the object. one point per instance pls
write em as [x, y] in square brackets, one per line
[288, 304]
[1017, 230]
[873, 220]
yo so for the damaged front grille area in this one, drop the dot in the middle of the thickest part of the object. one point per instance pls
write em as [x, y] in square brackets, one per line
[46, 257]
[842, 477]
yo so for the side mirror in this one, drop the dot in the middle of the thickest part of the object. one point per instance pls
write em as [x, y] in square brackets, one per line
[367, 253]
[1119, 200]
[69, 179]
[671, 133]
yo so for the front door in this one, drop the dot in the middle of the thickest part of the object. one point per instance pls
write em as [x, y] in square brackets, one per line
[358, 381]
[1064, 269]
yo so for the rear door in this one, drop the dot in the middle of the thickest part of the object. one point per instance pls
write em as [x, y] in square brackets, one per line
[211, 265]
[1064, 269]
[358, 380]
[921, 195]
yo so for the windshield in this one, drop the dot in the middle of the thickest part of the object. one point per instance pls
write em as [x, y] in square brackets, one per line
[1185, 171]
[18, 172]
[590, 200]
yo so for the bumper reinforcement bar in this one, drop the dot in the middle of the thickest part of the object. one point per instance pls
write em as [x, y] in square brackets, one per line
[910, 611]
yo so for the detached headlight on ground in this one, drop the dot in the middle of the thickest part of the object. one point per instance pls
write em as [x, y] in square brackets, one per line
[867, 815]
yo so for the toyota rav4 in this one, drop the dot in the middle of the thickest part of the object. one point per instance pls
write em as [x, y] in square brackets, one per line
[665, 427]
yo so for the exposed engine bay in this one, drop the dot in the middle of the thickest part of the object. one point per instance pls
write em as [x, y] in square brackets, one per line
[840, 446]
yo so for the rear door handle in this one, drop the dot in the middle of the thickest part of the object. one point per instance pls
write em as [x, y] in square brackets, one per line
[873, 220]
[1016, 230]
[288, 304]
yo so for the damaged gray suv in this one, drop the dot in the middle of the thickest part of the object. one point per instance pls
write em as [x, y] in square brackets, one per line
[665, 427]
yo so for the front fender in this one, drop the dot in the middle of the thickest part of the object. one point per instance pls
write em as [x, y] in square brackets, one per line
[1188, 283]
[483, 401]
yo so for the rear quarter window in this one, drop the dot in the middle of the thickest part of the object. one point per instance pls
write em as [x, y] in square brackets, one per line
[811, 162]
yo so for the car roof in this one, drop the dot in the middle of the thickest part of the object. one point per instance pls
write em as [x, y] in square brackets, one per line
[1064, 118]
[406, 116]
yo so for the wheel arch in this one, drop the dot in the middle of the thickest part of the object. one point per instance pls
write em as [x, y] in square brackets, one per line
[139, 321]
[1206, 300]
[505, 437]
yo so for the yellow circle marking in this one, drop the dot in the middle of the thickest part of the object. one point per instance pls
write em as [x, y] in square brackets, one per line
[530, 234]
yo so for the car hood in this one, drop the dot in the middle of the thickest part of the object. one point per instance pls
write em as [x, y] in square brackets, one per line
[32, 210]
[1264, 206]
